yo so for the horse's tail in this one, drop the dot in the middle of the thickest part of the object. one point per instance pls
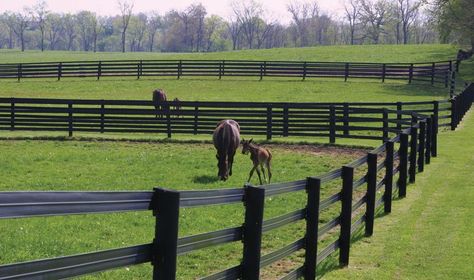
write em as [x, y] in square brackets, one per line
[269, 155]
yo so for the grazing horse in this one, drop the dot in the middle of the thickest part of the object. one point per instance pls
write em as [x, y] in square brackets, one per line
[226, 139]
[159, 96]
[177, 106]
[260, 156]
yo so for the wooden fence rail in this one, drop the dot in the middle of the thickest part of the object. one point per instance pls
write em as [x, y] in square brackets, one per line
[416, 141]
[429, 72]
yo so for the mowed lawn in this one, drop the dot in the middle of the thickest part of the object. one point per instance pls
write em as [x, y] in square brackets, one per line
[102, 166]
[430, 234]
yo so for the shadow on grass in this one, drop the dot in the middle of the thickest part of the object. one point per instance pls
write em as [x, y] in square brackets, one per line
[205, 179]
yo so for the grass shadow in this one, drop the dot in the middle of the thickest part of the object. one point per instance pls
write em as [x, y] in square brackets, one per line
[205, 179]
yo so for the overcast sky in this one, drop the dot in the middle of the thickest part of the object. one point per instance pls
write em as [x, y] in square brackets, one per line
[110, 7]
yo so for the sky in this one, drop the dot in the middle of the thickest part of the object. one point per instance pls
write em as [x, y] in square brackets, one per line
[277, 8]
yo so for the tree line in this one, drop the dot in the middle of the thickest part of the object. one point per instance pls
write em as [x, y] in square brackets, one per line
[249, 27]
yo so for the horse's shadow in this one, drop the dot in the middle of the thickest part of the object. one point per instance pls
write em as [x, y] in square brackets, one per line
[205, 179]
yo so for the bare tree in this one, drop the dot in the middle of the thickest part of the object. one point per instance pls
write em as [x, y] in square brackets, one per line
[40, 14]
[374, 16]
[248, 13]
[69, 22]
[54, 29]
[9, 21]
[153, 24]
[126, 10]
[407, 11]
[352, 13]
[302, 13]
[234, 29]
[138, 26]
[19, 22]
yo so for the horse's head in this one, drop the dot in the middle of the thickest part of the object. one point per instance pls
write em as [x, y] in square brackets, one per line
[246, 146]
[223, 166]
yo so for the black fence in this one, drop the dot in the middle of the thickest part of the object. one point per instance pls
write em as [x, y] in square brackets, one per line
[332, 120]
[386, 172]
[431, 72]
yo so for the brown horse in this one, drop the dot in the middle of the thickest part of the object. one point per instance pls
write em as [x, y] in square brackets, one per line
[226, 139]
[260, 156]
[159, 96]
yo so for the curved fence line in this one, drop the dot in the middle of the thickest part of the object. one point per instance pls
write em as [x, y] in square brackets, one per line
[430, 72]
[396, 161]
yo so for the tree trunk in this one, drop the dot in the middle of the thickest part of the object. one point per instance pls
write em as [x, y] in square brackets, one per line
[123, 41]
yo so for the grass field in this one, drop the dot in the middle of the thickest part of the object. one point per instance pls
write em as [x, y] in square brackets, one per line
[125, 165]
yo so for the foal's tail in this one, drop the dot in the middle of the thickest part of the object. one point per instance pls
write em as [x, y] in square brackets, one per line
[269, 155]
[269, 168]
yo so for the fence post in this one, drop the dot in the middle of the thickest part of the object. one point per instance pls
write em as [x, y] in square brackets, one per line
[346, 72]
[139, 69]
[453, 113]
[434, 140]
[102, 116]
[346, 215]
[165, 206]
[388, 177]
[99, 70]
[220, 69]
[70, 120]
[12, 113]
[332, 124]
[304, 70]
[421, 148]
[371, 193]
[60, 70]
[432, 72]
[410, 73]
[413, 147]
[285, 119]
[19, 72]
[452, 87]
[384, 67]
[313, 189]
[346, 119]
[399, 115]
[254, 199]
[457, 65]
[196, 121]
[180, 65]
[429, 134]
[403, 165]
[269, 122]
[385, 125]
[168, 120]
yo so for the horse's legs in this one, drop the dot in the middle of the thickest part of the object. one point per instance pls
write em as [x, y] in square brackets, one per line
[231, 161]
[258, 173]
[269, 171]
[251, 173]
[263, 172]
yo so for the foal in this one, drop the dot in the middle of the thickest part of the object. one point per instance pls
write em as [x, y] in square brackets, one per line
[260, 156]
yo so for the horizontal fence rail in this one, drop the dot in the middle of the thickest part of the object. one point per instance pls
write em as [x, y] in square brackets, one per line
[428, 72]
[383, 174]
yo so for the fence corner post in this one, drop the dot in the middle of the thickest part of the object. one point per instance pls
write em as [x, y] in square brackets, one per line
[385, 125]
[421, 148]
[332, 124]
[371, 193]
[165, 206]
[254, 199]
[346, 215]
[429, 139]
[269, 122]
[313, 189]
[413, 148]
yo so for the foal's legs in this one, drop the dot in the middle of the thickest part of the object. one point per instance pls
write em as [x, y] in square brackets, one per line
[263, 171]
[258, 173]
[251, 173]
[269, 171]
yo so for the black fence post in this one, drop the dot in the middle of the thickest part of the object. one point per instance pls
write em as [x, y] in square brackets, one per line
[19, 72]
[453, 113]
[99, 70]
[371, 193]
[165, 206]
[433, 67]
[346, 119]
[403, 165]
[332, 124]
[261, 71]
[269, 122]
[434, 140]
[168, 120]
[304, 70]
[70, 118]
[421, 148]
[139, 69]
[457, 65]
[385, 125]
[452, 87]
[102, 116]
[12, 113]
[399, 115]
[220, 69]
[429, 134]
[313, 189]
[180, 66]
[346, 72]
[413, 147]
[285, 119]
[384, 69]
[346, 215]
[388, 176]
[60, 70]
[410, 73]
[254, 199]
[196, 120]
